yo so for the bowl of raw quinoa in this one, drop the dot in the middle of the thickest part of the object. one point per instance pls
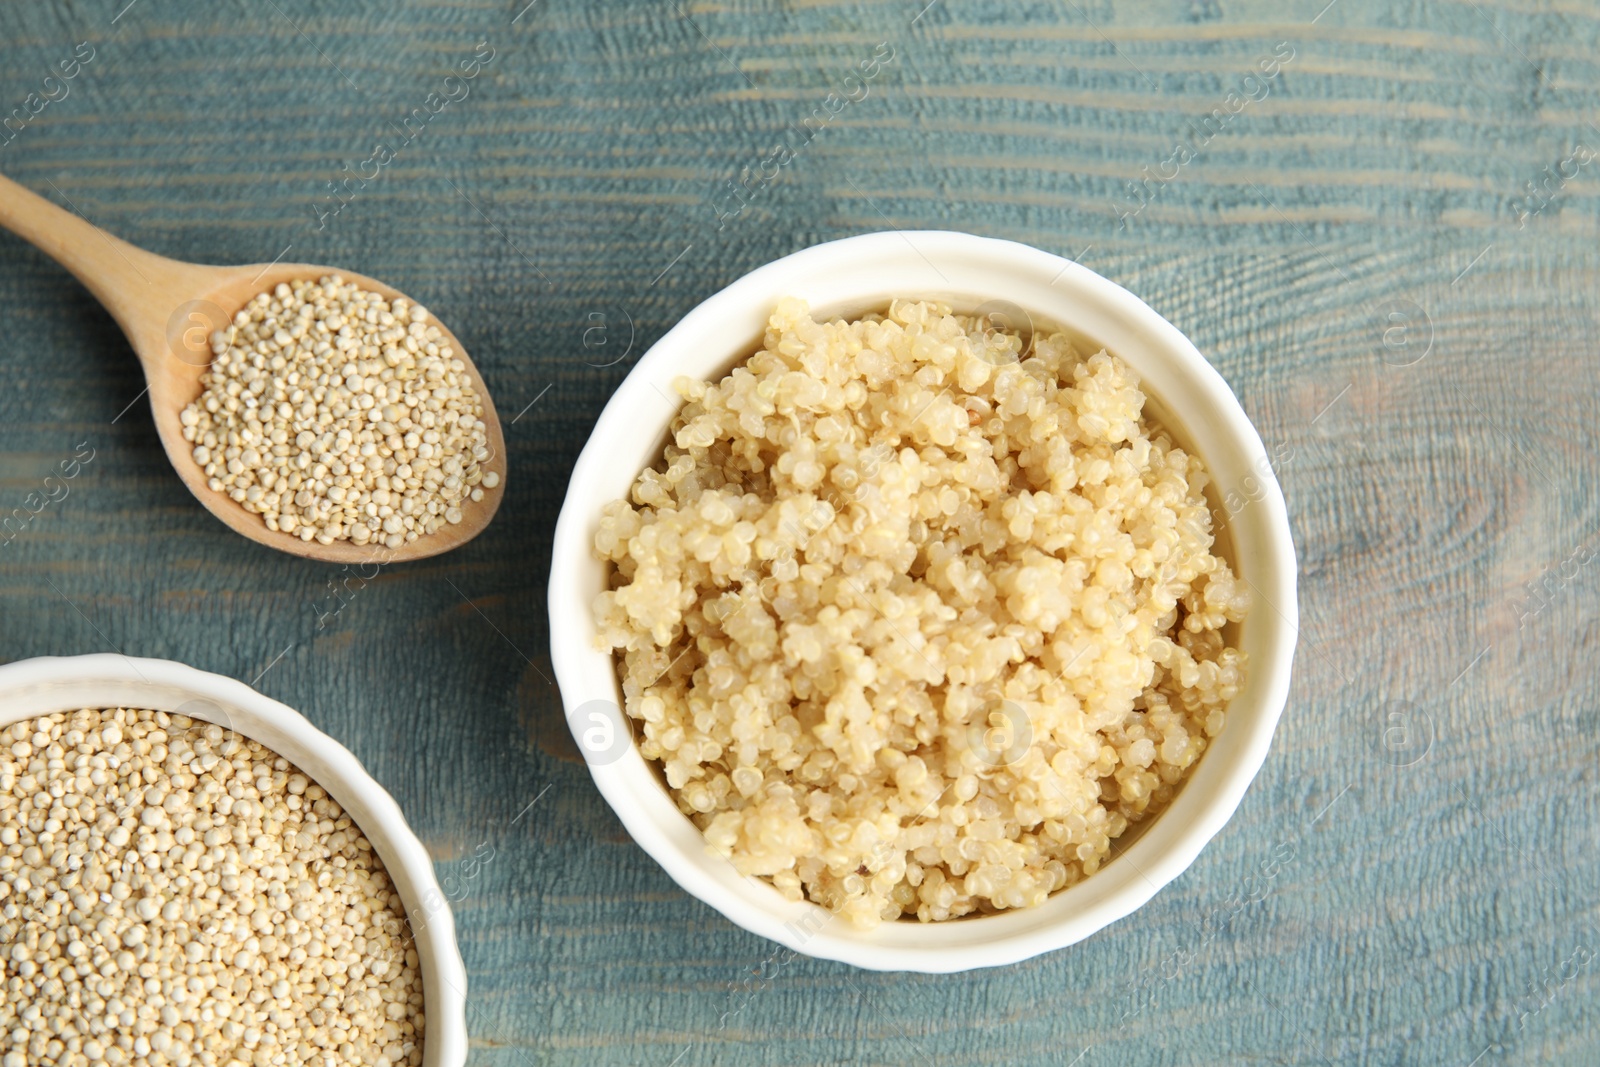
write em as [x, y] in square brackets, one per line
[191, 872]
[923, 601]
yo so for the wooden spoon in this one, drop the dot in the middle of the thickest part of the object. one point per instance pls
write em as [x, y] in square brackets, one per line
[169, 309]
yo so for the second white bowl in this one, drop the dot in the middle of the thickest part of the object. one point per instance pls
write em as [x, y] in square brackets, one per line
[34, 687]
[847, 278]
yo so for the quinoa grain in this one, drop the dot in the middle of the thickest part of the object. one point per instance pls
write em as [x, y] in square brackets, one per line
[172, 894]
[918, 618]
[338, 416]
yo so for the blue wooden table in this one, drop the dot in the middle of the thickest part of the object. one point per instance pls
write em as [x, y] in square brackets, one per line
[1379, 220]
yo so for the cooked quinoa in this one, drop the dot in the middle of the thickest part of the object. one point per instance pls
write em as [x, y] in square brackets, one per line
[917, 616]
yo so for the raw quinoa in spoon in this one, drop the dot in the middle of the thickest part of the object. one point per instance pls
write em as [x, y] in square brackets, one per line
[316, 411]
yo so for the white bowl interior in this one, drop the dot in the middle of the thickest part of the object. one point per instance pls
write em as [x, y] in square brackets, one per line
[35, 687]
[861, 274]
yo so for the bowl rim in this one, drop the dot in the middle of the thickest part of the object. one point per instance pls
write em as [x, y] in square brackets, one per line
[623, 782]
[444, 1042]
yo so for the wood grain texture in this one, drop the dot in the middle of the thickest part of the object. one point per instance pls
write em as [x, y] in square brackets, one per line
[1429, 913]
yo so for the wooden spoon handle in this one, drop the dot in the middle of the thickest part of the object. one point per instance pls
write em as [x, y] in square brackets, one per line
[139, 288]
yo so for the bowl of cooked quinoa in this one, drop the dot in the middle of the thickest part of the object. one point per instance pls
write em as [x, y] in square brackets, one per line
[192, 873]
[923, 601]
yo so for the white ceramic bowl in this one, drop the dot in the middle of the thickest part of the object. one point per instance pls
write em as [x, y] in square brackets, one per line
[862, 274]
[33, 687]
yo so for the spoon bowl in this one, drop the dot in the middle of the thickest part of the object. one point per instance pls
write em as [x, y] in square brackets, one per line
[169, 309]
